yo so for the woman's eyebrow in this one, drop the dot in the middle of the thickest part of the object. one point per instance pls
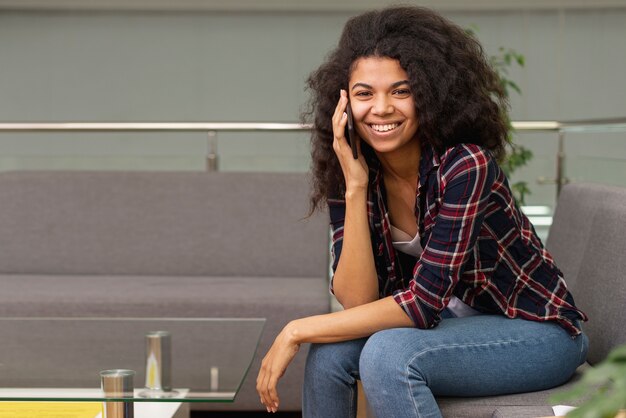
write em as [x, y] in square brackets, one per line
[394, 85]
[399, 83]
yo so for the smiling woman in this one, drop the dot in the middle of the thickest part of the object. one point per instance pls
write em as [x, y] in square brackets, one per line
[446, 287]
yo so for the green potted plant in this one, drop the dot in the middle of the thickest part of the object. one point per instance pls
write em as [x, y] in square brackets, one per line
[517, 155]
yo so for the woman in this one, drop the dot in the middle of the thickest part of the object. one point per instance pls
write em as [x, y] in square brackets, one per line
[482, 309]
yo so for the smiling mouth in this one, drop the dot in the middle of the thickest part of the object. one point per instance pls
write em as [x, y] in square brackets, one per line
[384, 128]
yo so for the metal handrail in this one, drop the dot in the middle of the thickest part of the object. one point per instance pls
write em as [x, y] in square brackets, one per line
[544, 126]
[151, 127]
[211, 128]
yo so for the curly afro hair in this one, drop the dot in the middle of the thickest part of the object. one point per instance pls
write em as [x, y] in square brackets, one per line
[458, 96]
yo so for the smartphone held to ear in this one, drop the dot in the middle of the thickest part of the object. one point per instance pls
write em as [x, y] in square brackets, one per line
[350, 134]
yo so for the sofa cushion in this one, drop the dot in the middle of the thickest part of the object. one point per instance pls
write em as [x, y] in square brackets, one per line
[485, 407]
[160, 223]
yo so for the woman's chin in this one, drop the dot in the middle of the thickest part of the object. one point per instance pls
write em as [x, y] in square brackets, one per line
[384, 147]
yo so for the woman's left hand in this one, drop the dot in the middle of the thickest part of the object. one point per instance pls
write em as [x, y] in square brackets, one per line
[273, 367]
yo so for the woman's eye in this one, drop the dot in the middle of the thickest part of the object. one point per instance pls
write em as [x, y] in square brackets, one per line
[362, 93]
[403, 92]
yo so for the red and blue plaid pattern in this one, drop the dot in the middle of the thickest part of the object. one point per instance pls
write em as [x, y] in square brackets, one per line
[477, 245]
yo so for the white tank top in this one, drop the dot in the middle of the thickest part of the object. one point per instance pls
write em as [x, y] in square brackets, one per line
[411, 245]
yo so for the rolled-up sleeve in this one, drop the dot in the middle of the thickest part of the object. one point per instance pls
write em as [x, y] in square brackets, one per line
[337, 211]
[465, 187]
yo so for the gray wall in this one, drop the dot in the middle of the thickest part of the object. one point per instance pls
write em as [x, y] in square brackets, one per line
[575, 65]
[209, 66]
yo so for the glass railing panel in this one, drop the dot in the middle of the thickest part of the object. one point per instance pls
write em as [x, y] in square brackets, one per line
[264, 151]
[538, 173]
[138, 151]
[597, 157]
[155, 151]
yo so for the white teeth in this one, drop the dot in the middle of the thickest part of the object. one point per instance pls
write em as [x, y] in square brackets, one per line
[385, 128]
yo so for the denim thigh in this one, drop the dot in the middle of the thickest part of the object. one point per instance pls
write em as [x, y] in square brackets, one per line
[475, 356]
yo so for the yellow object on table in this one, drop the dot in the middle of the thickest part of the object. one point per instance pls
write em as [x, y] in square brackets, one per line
[50, 409]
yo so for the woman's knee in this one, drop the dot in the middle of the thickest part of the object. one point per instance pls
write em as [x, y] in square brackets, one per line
[334, 357]
[384, 357]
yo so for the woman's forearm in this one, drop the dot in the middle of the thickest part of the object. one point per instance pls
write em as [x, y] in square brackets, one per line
[360, 321]
[355, 281]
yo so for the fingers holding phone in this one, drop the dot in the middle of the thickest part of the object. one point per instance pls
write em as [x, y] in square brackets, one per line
[346, 144]
[350, 134]
[343, 122]
[339, 121]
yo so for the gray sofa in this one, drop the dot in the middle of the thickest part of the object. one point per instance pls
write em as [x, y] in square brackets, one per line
[588, 241]
[233, 245]
[167, 244]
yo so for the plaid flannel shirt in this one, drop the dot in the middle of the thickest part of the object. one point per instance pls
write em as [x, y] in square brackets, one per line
[477, 245]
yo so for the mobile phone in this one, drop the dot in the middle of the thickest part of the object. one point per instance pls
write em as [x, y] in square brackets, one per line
[350, 134]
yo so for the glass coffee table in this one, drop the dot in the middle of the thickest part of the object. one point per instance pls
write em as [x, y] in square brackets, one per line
[159, 360]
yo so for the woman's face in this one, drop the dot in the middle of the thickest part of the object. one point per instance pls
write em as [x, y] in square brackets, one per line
[382, 104]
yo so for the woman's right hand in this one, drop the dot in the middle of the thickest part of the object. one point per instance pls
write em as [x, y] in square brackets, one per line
[355, 172]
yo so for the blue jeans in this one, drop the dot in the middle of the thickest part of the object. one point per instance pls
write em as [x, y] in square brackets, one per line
[403, 369]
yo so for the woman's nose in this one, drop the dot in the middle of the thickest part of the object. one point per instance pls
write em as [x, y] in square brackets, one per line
[382, 106]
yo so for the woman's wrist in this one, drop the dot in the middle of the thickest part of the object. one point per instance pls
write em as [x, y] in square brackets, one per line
[293, 333]
[356, 192]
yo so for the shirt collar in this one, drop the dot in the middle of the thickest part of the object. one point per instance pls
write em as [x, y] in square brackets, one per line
[429, 160]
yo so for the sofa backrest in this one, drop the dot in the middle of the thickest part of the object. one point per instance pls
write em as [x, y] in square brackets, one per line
[160, 223]
[588, 241]
[571, 226]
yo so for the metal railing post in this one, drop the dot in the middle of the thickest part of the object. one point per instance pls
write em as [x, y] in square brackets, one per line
[211, 157]
[560, 164]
